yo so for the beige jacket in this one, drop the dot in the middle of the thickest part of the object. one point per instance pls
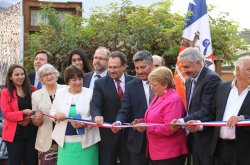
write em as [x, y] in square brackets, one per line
[41, 102]
[62, 103]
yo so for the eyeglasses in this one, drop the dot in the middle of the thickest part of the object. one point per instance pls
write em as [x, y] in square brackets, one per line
[48, 74]
[100, 58]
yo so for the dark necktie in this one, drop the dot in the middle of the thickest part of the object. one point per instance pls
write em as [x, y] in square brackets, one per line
[193, 83]
[39, 85]
[97, 76]
[119, 89]
[151, 94]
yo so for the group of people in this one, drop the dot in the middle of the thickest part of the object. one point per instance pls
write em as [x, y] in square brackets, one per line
[109, 94]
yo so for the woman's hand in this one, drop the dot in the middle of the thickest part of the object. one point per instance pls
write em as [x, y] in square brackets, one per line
[28, 112]
[59, 116]
[76, 124]
[138, 128]
[25, 121]
[37, 120]
[39, 115]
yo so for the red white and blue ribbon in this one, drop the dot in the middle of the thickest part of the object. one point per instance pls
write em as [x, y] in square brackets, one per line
[129, 125]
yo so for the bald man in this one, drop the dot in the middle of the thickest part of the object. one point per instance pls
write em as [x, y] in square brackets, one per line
[157, 61]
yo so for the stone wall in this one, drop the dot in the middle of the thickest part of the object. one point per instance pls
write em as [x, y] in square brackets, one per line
[9, 39]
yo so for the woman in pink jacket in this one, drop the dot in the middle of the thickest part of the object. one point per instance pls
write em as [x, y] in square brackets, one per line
[165, 147]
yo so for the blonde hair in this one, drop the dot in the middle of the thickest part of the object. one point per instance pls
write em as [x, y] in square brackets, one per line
[163, 75]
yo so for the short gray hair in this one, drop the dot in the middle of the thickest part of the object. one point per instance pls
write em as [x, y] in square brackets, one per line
[240, 63]
[193, 54]
[143, 55]
[46, 67]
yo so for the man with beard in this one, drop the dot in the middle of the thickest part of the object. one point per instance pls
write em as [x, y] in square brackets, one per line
[105, 104]
[136, 100]
[100, 62]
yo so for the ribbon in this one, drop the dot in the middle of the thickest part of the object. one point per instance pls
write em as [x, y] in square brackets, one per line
[129, 125]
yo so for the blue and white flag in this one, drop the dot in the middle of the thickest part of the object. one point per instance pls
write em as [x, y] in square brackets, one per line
[197, 30]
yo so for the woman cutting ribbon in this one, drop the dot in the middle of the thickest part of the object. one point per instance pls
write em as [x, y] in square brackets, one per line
[165, 146]
[77, 142]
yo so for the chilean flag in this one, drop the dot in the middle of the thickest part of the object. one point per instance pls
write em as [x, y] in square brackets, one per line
[196, 33]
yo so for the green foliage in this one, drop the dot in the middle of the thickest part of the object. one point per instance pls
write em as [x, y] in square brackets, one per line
[225, 36]
[128, 28]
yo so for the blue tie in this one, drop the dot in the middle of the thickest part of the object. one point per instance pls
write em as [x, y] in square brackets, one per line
[39, 85]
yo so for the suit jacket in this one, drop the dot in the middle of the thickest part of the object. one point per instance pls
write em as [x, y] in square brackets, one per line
[87, 79]
[62, 103]
[11, 114]
[163, 142]
[200, 107]
[242, 133]
[32, 76]
[106, 103]
[41, 101]
[133, 107]
[203, 94]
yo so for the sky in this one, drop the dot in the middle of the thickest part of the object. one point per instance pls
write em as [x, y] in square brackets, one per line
[238, 9]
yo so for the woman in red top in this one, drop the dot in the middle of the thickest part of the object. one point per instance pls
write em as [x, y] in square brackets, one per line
[18, 132]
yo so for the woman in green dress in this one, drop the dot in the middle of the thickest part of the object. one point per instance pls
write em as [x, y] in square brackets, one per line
[77, 142]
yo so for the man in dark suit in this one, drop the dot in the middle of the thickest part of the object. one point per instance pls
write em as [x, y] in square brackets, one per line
[200, 90]
[41, 57]
[100, 62]
[230, 144]
[134, 106]
[106, 101]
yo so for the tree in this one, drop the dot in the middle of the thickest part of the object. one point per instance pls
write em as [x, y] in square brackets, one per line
[225, 37]
[128, 28]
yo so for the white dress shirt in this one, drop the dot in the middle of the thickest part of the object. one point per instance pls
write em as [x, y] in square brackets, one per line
[93, 78]
[234, 103]
[146, 90]
[37, 79]
[122, 83]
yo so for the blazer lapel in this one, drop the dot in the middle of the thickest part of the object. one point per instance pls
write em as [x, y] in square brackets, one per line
[245, 104]
[45, 97]
[112, 87]
[141, 92]
[200, 79]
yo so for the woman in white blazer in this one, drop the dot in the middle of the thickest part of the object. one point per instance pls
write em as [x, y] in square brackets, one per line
[77, 142]
[41, 102]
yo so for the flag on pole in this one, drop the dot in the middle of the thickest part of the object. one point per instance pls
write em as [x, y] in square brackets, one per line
[196, 33]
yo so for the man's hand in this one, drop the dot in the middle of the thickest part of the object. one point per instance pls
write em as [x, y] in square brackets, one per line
[98, 119]
[116, 129]
[233, 120]
[59, 116]
[138, 128]
[175, 125]
[193, 128]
